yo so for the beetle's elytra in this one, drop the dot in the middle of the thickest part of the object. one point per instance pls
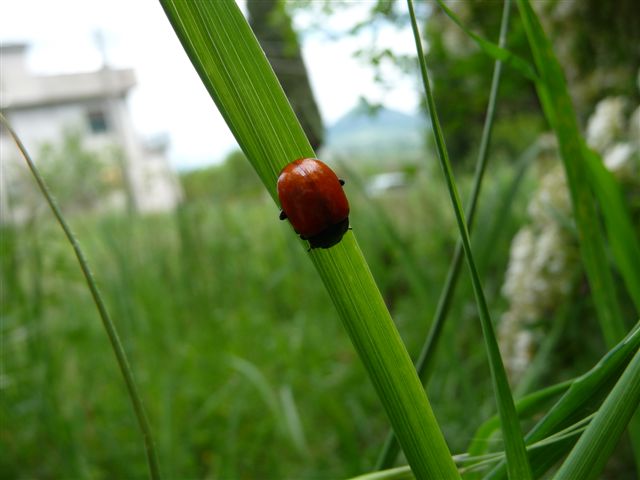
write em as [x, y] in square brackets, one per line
[312, 198]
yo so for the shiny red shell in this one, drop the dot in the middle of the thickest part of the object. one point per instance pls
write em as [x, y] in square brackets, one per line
[312, 198]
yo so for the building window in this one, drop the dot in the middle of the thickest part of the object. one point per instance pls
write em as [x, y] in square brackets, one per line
[98, 121]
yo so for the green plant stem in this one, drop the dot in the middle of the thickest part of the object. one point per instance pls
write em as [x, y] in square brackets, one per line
[518, 463]
[425, 362]
[116, 345]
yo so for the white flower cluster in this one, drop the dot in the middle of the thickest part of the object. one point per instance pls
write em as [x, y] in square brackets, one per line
[542, 265]
[615, 138]
[544, 258]
[606, 124]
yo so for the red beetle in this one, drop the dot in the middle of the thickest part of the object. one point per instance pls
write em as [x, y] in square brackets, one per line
[313, 200]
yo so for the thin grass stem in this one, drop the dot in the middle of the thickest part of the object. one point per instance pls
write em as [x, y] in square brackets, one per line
[518, 463]
[425, 362]
[118, 350]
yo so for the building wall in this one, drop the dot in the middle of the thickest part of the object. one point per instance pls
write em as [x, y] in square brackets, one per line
[41, 108]
[46, 124]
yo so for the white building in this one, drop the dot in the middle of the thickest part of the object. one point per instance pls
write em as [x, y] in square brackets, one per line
[40, 109]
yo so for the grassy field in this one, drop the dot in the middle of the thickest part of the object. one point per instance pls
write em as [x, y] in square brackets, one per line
[242, 363]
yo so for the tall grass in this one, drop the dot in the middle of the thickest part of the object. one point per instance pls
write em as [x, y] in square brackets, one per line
[187, 304]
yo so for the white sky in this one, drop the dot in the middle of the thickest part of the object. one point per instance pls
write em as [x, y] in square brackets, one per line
[169, 96]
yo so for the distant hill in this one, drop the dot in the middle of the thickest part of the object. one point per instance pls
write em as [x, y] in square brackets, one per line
[383, 134]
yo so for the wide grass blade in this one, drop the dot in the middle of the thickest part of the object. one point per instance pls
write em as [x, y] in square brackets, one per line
[517, 461]
[589, 456]
[416, 277]
[234, 69]
[109, 326]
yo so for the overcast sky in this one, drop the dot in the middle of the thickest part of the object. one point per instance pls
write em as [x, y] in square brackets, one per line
[169, 96]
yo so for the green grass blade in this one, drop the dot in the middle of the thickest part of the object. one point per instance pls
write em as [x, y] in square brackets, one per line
[526, 407]
[582, 398]
[109, 326]
[497, 52]
[399, 473]
[620, 232]
[518, 463]
[558, 109]
[426, 358]
[234, 69]
[589, 456]
[416, 277]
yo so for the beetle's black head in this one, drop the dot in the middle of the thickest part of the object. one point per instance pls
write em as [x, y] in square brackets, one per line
[330, 235]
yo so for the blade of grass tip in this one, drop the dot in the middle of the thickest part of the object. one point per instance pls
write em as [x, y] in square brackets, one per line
[590, 454]
[110, 328]
[235, 71]
[517, 461]
[426, 358]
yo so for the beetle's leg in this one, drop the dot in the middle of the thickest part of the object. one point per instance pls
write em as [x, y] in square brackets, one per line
[283, 215]
[341, 181]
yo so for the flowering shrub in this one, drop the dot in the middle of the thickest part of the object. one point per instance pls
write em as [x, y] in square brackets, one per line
[544, 262]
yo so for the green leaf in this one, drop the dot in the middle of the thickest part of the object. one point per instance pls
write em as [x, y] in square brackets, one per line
[526, 407]
[233, 67]
[399, 473]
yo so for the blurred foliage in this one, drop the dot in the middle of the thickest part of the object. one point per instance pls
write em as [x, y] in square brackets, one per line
[80, 176]
[461, 75]
[598, 44]
[229, 332]
[234, 178]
